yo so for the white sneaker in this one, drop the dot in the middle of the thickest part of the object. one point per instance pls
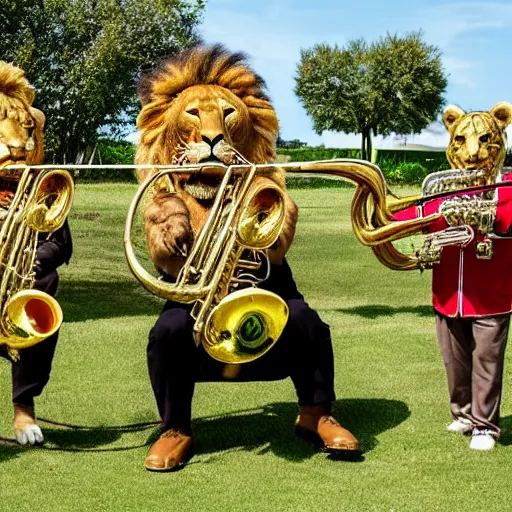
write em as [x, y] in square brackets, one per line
[462, 426]
[482, 439]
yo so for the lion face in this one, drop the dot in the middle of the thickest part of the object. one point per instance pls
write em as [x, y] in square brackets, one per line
[16, 141]
[21, 125]
[477, 139]
[212, 125]
[204, 106]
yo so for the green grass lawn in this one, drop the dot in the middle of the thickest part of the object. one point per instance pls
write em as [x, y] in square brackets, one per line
[390, 385]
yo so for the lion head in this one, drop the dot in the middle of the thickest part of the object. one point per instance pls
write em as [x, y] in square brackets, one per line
[478, 139]
[21, 125]
[204, 105]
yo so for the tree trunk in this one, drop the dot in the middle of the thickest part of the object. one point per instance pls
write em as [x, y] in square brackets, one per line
[366, 144]
[363, 145]
[91, 158]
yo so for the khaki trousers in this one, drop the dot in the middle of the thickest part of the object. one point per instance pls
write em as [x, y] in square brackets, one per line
[473, 350]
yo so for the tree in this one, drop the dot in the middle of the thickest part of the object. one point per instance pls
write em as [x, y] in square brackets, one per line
[290, 144]
[84, 58]
[393, 85]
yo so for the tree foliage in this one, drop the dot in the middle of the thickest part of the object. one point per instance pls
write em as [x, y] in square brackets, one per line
[84, 58]
[290, 144]
[393, 85]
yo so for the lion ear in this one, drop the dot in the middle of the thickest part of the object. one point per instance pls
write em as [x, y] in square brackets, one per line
[450, 115]
[502, 113]
[37, 156]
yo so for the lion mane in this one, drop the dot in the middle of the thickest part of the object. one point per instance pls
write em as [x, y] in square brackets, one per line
[19, 120]
[205, 104]
[210, 68]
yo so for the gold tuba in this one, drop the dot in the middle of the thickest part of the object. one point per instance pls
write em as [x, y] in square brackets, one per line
[235, 322]
[41, 203]
[372, 208]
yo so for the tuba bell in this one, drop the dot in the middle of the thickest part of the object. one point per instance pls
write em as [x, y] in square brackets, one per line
[40, 204]
[234, 321]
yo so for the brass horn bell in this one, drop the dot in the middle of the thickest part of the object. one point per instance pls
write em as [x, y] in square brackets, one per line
[244, 325]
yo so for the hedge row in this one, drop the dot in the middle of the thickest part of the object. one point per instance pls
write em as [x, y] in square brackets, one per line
[110, 154]
[398, 166]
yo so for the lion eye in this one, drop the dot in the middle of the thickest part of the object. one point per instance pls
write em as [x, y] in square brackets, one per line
[485, 138]
[227, 111]
[460, 139]
[193, 112]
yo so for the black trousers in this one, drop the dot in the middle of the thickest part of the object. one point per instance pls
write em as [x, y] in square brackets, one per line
[303, 353]
[31, 373]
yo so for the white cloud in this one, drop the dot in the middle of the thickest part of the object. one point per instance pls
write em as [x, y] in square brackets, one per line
[461, 71]
[445, 24]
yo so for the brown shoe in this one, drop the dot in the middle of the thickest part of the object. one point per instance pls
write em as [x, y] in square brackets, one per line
[172, 450]
[25, 427]
[316, 426]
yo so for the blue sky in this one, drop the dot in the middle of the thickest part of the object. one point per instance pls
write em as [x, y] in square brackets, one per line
[474, 37]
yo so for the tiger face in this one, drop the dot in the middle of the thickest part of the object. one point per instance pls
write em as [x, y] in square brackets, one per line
[478, 139]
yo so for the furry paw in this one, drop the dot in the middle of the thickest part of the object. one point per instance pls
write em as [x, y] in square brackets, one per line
[168, 230]
[31, 435]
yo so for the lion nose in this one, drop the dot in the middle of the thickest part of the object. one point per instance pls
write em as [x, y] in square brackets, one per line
[17, 151]
[213, 142]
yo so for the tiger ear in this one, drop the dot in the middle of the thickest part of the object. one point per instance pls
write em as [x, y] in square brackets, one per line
[502, 113]
[450, 115]
[37, 155]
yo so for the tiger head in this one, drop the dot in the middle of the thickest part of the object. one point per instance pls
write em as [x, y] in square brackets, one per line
[478, 139]
[21, 125]
[204, 105]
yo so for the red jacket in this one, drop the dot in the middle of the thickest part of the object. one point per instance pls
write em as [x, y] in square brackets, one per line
[462, 284]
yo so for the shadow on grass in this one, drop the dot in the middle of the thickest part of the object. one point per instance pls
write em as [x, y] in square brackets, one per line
[261, 430]
[506, 431]
[83, 438]
[270, 428]
[8, 449]
[91, 300]
[377, 310]
[77, 438]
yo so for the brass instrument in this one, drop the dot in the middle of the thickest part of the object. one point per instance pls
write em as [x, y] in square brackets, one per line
[41, 203]
[372, 209]
[238, 325]
[234, 324]
[472, 210]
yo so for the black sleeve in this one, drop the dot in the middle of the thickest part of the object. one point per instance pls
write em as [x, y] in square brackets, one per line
[53, 250]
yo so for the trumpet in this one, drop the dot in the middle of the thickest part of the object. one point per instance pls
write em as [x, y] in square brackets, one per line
[40, 204]
[234, 321]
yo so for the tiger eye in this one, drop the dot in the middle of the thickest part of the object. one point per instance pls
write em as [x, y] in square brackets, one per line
[485, 138]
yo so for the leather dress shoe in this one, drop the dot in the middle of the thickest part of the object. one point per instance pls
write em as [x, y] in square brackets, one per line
[172, 450]
[316, 426]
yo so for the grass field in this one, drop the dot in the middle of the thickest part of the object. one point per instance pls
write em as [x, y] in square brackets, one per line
[390, 385]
